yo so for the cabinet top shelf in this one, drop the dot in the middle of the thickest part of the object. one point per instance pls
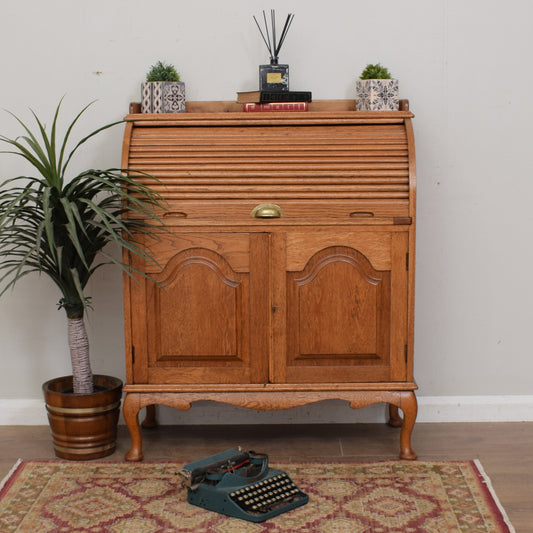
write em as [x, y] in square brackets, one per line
[319, 111]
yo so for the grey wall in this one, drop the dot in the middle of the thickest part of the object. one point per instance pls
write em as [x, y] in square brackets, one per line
[464, 66]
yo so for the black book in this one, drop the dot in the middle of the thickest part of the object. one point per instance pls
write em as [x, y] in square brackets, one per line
[264, 97]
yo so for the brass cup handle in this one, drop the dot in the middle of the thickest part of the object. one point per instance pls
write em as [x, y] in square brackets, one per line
[267, 211]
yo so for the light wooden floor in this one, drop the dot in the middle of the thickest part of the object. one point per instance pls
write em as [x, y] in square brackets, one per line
[504, 449]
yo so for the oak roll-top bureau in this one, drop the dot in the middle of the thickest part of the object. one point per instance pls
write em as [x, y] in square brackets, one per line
[286, 274]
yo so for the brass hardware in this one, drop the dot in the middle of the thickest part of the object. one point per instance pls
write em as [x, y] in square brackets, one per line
[267, 211]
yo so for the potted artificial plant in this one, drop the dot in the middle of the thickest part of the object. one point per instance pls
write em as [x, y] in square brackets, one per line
[163, 91]
[61, 228]
[375, 90]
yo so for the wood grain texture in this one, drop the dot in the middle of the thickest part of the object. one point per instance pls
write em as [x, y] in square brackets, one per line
[309, 161]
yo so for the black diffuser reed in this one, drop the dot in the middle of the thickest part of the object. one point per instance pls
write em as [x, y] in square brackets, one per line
[274, 77]
[273, 45]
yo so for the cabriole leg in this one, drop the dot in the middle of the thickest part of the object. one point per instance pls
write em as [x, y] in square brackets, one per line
[395, 420]
[131, 416]
[409, 406]
[150, 419]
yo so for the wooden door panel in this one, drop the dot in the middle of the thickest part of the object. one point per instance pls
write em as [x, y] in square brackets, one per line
[199, 314]
[336, 303]
[340, 324]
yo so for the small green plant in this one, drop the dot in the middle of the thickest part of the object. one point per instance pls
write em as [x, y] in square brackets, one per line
[375, 72]
[162, 72]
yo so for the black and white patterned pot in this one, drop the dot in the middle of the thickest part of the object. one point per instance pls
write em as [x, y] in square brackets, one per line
[377, 95]
[163, 97]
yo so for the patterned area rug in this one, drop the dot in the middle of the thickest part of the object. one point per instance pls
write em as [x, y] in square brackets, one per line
[395, 496]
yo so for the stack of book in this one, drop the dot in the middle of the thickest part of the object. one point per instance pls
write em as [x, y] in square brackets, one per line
[274, 100]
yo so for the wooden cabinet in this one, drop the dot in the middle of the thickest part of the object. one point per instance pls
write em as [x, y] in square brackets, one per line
[285, 276]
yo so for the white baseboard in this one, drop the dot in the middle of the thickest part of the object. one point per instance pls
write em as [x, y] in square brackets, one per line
[475, 408]
[430, 409]
[22, 412]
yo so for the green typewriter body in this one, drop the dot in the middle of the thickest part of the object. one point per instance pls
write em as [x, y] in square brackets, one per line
[241, 484]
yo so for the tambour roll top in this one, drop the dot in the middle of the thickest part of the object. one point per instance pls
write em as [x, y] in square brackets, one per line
[347, 164]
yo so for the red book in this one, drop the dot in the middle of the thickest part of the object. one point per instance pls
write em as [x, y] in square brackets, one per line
[276, 106]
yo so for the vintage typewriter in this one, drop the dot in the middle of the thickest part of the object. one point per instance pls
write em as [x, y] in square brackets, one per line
[240, 484]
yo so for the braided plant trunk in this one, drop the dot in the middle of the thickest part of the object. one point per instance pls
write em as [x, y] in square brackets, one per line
[78, 342]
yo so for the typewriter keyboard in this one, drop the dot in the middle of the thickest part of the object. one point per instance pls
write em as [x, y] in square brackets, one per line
[267, 494]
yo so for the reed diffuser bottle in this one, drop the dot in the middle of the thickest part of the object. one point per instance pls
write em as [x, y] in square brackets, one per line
[274, 77]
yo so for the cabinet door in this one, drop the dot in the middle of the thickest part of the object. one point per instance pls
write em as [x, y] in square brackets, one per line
[346, 307]
[205, 320]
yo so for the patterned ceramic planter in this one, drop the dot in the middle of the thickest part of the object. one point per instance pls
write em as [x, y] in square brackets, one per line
[377, 95]
[163, 97]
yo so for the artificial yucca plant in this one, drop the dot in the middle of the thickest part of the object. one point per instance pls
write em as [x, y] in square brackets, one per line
[375, 72]
[162, 72]
[61, 227]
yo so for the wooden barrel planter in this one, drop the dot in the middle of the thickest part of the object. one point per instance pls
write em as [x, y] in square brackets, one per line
[84, 426]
